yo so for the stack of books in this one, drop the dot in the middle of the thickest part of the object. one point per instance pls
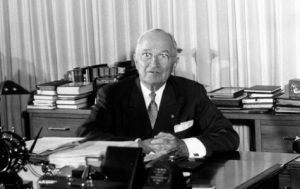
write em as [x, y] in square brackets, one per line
[46, 95]
[74, 95]
[106, 73]
[286, 104]
[261, 97]
[227, 98]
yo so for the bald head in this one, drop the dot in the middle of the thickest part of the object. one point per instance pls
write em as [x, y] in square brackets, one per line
[158, 32]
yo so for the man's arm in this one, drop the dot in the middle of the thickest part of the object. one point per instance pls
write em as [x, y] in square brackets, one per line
[99, 125]
[218, 133]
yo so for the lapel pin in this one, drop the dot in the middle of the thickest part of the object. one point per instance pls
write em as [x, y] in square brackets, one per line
[172, 116]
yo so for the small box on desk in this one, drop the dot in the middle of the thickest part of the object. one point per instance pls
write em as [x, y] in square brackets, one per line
[294, 88]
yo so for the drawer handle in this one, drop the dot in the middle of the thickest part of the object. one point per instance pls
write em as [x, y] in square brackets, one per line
[58, 128]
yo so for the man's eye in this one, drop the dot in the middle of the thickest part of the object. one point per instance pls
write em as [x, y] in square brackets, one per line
[164, 55]
[147, 55]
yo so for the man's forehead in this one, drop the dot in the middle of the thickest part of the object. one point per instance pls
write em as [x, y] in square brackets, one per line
[156, 41]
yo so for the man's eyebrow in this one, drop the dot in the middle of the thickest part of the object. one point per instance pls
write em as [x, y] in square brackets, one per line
[145, 50]
[165, 51]
[150, 50]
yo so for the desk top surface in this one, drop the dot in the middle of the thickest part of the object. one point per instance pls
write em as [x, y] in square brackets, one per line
[231, 170]
[241, 169]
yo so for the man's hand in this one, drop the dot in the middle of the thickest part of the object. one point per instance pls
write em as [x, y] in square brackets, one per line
[164, 143]
[145, 145]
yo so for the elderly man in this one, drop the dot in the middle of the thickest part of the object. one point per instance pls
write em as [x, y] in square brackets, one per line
[164, 113]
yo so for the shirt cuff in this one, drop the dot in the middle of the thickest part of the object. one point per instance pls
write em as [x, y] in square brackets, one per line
[137, 140]
[195, 147]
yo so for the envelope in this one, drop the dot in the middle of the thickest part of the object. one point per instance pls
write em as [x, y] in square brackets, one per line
[183, 126]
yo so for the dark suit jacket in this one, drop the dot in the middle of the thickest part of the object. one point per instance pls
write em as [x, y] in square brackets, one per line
[121, 114]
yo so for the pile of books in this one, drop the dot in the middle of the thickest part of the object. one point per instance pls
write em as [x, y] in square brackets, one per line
[261, 97]
[227, 98]
[46, 95]
[74, 95]
[102, 72]
[286, 103]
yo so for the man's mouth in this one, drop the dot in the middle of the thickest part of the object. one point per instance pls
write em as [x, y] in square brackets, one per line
[153, 72]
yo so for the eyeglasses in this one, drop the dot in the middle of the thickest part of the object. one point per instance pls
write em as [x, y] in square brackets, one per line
[162, 57]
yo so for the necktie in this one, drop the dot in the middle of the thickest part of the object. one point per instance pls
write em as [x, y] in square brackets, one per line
[152, 109]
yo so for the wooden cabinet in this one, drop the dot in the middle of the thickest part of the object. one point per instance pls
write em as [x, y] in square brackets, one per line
[270, 130]
[59, 122]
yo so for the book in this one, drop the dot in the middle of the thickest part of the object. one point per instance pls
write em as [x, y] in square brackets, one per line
[44, 97]
[262, 89]
[44, 102]
[263, 105]
[75, 88]
[264, 95]
[72, 106]
[225, 102]
[286, 100]
[287, 109]
[52, 85]
[75, 101]
[257, 100]
[48, 107]
[45, 92]
[73, 97]
[247, 111]
[228, 92]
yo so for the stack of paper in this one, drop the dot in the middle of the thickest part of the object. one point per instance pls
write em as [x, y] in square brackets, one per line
[76, 157]
[47, 144]
[73, 151]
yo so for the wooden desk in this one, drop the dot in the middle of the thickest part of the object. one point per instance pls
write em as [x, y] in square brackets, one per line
[233, 170]
[243, 170]
[269, 130]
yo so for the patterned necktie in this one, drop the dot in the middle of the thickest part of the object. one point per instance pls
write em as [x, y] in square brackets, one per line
[152, 109]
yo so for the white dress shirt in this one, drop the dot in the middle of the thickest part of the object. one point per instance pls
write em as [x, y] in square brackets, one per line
[195, 146]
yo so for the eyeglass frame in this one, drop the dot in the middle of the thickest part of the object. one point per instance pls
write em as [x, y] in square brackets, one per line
[160, 57]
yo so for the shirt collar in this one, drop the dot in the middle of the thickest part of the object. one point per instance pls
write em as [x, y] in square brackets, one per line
[158, 93]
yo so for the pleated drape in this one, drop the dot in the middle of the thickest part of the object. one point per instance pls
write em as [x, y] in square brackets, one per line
[224, 42]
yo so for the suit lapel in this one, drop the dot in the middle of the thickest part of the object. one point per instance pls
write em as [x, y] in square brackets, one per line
[137, 113]
[168, 110]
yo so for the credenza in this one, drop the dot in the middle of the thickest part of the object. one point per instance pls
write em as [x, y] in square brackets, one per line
[267, 130]
[56, 123]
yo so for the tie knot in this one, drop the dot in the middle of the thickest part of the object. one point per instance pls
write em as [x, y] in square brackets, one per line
[152, 96]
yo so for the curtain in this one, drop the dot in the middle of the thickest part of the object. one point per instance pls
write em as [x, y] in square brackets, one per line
[224, 42]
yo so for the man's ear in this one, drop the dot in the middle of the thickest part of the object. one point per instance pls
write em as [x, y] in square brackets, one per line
[134, 58]
[175, 64]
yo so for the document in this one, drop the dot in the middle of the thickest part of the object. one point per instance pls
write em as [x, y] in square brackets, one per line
[76, 156]
[47, 144]
[72, 151]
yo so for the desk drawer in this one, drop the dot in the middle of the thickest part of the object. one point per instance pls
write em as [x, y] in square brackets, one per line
[58, 127]
[273, 132]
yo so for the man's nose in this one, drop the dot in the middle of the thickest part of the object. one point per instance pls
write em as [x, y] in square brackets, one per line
[154, 60]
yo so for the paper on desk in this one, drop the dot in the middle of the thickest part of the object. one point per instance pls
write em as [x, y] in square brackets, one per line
[50, 143]
[75, 157]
